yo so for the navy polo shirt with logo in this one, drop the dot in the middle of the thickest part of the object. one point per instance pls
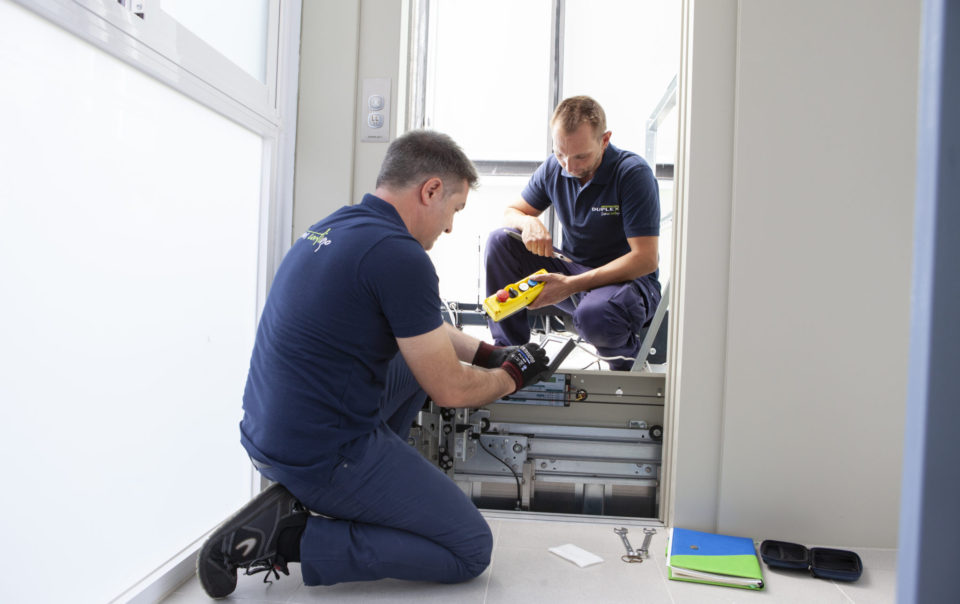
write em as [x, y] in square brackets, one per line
[348, 287]
[621, 200]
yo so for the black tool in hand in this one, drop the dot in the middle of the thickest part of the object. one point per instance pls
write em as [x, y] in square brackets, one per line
[516, 235]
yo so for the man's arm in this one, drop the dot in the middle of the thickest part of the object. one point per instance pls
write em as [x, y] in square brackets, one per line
[434, 358]
[642, 259]
[463, 344]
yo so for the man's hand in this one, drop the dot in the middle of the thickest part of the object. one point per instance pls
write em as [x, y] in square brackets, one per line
[491, 357]
[557, 287]
[523, 217]
[537, 238]
[526, 364]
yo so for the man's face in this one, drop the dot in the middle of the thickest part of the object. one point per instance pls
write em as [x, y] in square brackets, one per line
[443, 212]
[581, 151]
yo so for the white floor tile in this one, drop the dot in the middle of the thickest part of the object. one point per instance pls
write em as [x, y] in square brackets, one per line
[596, 538]
[878, 559]
[874, 587]
[523, 574]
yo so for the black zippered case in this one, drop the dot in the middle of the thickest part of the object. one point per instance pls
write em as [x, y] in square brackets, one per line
[823, 562]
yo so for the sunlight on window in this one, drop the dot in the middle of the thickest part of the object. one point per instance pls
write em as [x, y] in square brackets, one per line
[623, 53]
[490, 73]
[235, 28]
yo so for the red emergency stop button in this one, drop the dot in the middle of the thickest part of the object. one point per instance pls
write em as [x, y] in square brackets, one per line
[502, 295]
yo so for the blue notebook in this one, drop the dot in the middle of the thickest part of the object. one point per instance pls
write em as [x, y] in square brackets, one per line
[714, 559]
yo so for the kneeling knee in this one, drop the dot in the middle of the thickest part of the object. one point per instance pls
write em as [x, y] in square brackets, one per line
[481, 560]
[477, 559]
[595, 327]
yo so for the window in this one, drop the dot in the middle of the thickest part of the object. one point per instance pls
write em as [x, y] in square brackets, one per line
[495, 72]
[144, 207]
[238, 29]
[489, 72]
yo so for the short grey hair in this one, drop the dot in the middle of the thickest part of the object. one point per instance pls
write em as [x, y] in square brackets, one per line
[421, 154]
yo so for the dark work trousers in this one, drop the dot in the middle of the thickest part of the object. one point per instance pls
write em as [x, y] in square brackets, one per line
[609, 317]
[393, 514]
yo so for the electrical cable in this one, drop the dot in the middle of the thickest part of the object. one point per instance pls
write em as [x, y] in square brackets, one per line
[509, 467]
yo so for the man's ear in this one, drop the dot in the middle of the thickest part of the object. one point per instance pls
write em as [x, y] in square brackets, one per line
[431, 190]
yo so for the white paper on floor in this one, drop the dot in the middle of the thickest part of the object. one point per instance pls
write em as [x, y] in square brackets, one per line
[578, 556]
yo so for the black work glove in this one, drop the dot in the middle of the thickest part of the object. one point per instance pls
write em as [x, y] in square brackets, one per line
[491, 357]
[526, 365]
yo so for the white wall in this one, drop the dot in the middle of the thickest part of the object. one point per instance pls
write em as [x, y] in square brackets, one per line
[818, 324]
[379, 57]
[814, 374]
[343, 42]
[326, 127]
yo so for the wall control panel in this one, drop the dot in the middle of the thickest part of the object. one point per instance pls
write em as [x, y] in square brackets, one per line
[375, 110]
[513, 297]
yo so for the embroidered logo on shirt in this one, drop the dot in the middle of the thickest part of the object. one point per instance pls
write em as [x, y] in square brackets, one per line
[317, 239]
[612, 209]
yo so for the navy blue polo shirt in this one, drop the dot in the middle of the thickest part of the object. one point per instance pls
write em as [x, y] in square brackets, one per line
[621, 200]
[351, 285]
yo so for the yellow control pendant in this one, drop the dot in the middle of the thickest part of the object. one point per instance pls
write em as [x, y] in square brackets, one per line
[513, 297]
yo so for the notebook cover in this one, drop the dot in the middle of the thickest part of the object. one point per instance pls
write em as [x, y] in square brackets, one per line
[721, 556]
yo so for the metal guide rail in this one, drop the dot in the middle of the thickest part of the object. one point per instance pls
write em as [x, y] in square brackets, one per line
[578, 443]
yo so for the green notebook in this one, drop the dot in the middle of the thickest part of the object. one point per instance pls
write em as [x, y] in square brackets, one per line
[714, 559]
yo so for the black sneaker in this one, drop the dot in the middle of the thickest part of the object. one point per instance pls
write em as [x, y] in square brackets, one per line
[248, 540]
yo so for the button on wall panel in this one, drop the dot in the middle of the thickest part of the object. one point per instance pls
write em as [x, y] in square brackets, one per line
[375, 110]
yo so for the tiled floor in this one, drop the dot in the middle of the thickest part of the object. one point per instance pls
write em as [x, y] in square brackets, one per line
[523, 571]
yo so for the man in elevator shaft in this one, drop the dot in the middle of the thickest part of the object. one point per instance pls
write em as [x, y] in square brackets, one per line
[350, 344]
[608, 203]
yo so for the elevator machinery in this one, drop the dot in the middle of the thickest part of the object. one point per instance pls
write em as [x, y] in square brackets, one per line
[584, 442]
